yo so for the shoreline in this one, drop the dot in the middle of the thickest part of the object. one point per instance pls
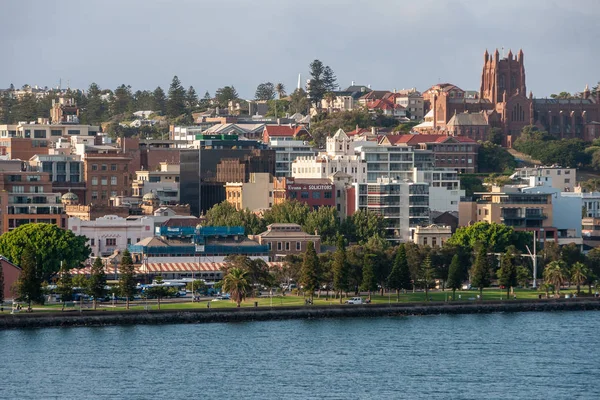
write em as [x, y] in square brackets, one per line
[159, 317]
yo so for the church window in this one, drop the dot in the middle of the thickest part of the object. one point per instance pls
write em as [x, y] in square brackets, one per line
[501, 82]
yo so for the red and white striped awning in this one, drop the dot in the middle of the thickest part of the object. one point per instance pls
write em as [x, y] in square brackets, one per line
[167, 267]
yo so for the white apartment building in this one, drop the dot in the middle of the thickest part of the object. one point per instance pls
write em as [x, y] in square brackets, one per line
[45, 130]
[286, 151]
[563, 179]
[444, 188]
[110, 233]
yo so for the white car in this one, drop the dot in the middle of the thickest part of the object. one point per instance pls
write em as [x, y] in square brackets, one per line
[355, 300]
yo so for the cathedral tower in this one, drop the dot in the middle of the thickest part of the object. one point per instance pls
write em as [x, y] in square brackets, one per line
[500, 75]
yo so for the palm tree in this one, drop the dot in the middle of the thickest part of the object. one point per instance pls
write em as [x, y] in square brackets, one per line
[546, 288]
[236, 284]
[578, 274]
[554, 275]
[280, 89]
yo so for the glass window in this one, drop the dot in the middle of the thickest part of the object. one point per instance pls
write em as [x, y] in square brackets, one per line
[113, 180]
[113, 193]
[94, 180]
[104, 193]
[298, 245]
[113, 167]
[73, 132]
[39, 133]
[111, 241]
[316, 195]
[327, 195]
[104, 167]
[94, 167]
[94, 195]
[304, 195]
[56, 132]
[92, 242]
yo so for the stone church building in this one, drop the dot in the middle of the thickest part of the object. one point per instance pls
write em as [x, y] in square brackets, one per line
[503, 102]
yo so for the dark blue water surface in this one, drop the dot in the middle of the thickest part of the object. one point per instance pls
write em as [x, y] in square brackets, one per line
[491, 356]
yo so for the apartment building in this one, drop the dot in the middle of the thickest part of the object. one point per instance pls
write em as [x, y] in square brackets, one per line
[26, 197]
[564, 179]
[254, 195]
[164, 183]
[107, 175]
[286, 151]
[66, 172]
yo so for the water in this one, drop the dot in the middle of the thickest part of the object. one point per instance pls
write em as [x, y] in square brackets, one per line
[491, 356]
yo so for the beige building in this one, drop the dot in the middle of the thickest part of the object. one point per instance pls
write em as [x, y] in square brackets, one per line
[43, 130]
[560, 178]
[286, 239]
[432, 235]
[413, 103]
[256, 194]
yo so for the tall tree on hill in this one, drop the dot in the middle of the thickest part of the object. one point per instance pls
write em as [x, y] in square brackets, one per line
[122, 100]
[322, 80]
[280, 89]
[205, 101]
[309, 274]
[29, 284]
[191, 99]
[341, 268]
[176, 100]
[265, 91]
[426, 275]
[160, 101]
[455, 274]
[299, 102]
[480, 271]
[226, 94]
[127, 283]
[97, 282]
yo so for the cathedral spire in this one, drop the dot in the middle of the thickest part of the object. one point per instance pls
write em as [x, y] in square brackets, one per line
[486, 56]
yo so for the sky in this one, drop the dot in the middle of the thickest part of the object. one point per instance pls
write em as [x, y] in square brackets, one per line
[388, 44]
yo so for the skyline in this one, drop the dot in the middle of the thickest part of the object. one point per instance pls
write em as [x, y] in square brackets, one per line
[433, 42]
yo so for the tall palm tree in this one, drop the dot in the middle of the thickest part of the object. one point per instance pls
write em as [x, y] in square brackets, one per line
[236, 284]
[280, 89]
[554, 275]
[578, 274]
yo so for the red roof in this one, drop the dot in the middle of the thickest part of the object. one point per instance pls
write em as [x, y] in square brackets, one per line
[358, 131]
[383, 105]
[417, 139]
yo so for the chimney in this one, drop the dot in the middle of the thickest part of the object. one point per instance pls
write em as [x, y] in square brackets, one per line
[373, 131]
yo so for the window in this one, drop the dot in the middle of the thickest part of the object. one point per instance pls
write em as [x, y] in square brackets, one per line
[55, 132]
[279, 246]
[39, 133]
[94, 167]
[103, 197]
[287, 246]
[304, 195]
[433, 242]
[128, 241]
[113, 193]
[486, 211]
[425, 241]
[111, 242]
[104, 167]
[94, 180]
[327, 195]
[18, 189]
[298, 246]
[558, 172]
[339, 193]
[316, 195]
[113, 180]
[270, 246]
[104, 180]
[293, 195]
[92, 242]
[73, 132]
[27, 133]
[94, 195]
[113, 167]
[567, 172]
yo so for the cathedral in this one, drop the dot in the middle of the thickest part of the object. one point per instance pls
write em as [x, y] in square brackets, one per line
[503, 102]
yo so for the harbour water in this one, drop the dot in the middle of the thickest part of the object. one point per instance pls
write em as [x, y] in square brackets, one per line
[491, 356]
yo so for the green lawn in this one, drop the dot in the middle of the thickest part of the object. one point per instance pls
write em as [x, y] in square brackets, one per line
[291, 300]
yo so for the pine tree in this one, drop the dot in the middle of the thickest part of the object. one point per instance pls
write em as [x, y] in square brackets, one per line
[97, 282]
[205, 101]
[399, 278]
[29, 285]
[191, 99]
[369, 282]
[507, 274]
[160, 101]
[309, 272]
[341, 268]
[127, 284]
[176, 100]
[454, 275]
[480, 271]
[64, 286]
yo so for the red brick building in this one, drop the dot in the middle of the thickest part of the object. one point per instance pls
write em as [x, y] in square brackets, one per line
[285, 132]
[11, 274]
[314, 192]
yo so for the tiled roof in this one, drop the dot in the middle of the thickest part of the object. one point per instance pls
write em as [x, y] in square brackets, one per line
[384, 104]
[375, 94]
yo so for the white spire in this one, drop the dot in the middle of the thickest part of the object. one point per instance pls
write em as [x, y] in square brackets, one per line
[299, 80]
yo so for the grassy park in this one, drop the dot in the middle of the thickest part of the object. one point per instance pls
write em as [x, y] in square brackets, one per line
[295, 300]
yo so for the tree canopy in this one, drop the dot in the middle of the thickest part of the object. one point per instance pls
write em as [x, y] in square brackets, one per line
[494, 158]
[50, 245]
[322, 80]
[265, 91]
[497, 237]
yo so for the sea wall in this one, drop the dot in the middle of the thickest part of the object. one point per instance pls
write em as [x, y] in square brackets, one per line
[106, 317]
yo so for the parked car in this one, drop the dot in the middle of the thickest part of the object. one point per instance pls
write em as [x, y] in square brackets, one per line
[355, 300]
[222, 297]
